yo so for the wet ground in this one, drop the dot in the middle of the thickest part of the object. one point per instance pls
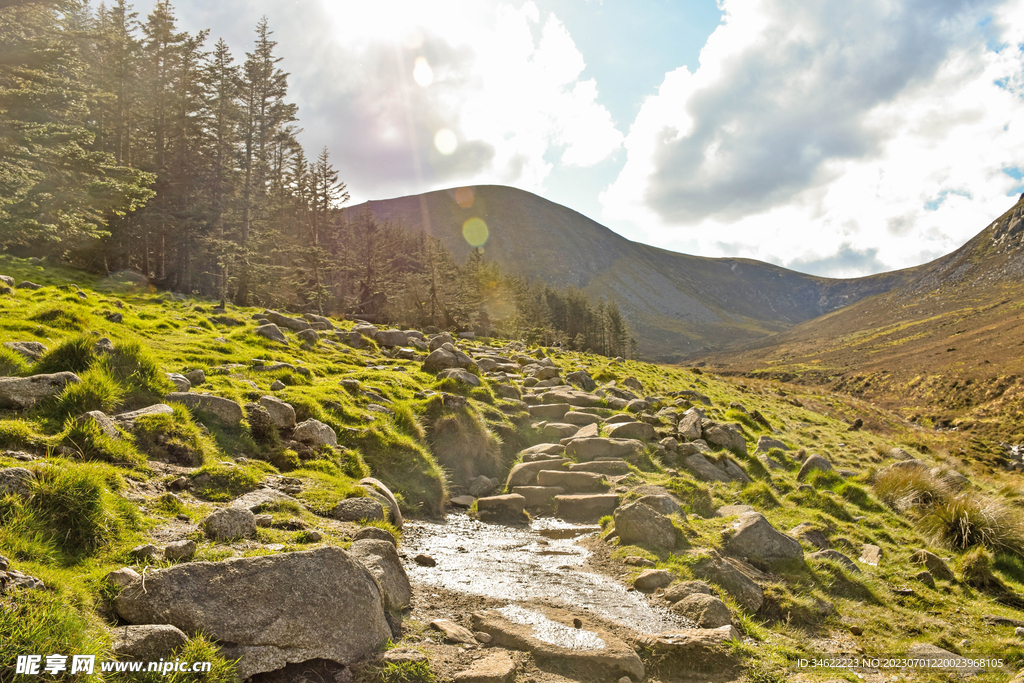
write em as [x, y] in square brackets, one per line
[540, 562]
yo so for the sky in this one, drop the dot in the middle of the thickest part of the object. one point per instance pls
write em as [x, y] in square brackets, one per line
[831, 137]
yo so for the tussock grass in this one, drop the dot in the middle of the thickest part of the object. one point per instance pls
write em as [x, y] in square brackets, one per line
[12, 363]
[760, 495]
[71, 355]
[97, 391]
[18, 433]
[224, 481]
[905, 488]
[967, 520]
[88, 442]
[174, 438]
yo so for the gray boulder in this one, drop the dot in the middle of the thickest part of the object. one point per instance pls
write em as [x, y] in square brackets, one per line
[358, 509]
[440, 359]
[315, 433]
[935, 564]
[391, 338]
[507, 508]
[270, 610]
[308, 337]
[725, 436]
[766, 443]
[227, 524]
[836, 556]
[148, 642]
[375, 533]
[381, 558]
[196, 377]
[16, 481]
[581, 379]
[706, 611]
[814, 463]
[272, 332]
[678, 591]
[224, 409]
[735, 577]
[284, 321]
[31, 350]
[180, 551]
[282, 414]
[19, 393]
[653, 579]
[101, 420]
[179, 381]
[127, 420]
[638, 524]
[461, 376]
[525, 473]
[549, 411]
[704, 470]
[689, 427]
[632, 430]
[755, 539]
[585, 450]
[586, 507]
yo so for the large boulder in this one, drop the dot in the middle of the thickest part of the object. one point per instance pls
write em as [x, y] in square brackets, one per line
[689, 427]
[440, 359]
[935, 564]
[756, 540]
[525, 473]
[694, 650]
[549, 411]
[357, 509]
[101, 420]
[507, 508]
[381, 558]
[585, 507]
[814, 463]
[632, 430]
[704, 470]
[230, 523]
[585, 450]
[270, 610]
[725, 436]
[272, 332]
[284, 321]
[31, 350]
[582, 379]
[148, 642]
[576, 482]
[19, 393]
[580, 399]
[391, 338]
[127, 420]
[281, 413]
[315, 433]
[638, 524]
[459, 375]
[737, 578]
[224, 409]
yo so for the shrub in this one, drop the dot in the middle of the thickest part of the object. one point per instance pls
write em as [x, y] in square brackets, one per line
[71, 355]
[96, 391]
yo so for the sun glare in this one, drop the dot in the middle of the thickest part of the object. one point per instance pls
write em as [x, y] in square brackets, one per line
[422, 73]
[475, 232]
[445, 141]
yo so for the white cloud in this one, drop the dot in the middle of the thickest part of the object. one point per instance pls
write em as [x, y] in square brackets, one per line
[839, 137]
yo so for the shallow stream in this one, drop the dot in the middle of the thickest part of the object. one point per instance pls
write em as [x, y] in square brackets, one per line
[519, 563]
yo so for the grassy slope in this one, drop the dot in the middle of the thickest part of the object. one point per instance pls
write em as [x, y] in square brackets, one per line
[132, 506]
[944, 350]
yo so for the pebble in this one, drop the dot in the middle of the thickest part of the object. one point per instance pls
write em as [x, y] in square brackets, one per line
[856, 630]
[425, 560]
[486, 637]
[1020, 632]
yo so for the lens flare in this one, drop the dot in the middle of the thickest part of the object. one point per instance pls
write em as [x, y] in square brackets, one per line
[445, 141]
[475, 232]
[464, 197]
[422, 73]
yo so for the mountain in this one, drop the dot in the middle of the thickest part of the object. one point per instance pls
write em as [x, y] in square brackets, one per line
[677, 305]
[945, 348]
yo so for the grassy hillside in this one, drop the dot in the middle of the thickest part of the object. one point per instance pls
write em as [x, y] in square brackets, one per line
[95, 497]
[945, 350]
[677, 305]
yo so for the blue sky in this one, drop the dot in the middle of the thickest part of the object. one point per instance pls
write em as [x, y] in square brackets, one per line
[834, 138]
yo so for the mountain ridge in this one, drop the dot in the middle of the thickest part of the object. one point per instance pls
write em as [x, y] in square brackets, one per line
[677, 305]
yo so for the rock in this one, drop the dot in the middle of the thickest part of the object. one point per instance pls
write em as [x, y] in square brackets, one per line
[7, 280]
[496, 667]
[315, 433]
[689, 427]
[525, 473]
[467, 501]
[539, 372]
[272, 332]
[180, 551]
[814, 463]
[552, 637]
[365, 330]
[439, 340]
[766, 443]
[580, 399]
[836, 556]
[378, 490]
[196, 377]
[585, 450]
[703, 609]
[926, 578]
[148, 642]
[542, 451]
[309, 338]
[637, 561]
[481, 486]
[358, 509]
[391, 338]
[575, 482]
[951, 478]
[585, 507]
[145, 553]
[697, 649]
[277, 385]
[871, 554]
[632, 430]
[581, 419]
[269, 610]
[115, 317]
[25, 284]
[122, 577]
[935, 564]
[755, 539]
[727, 436]
[812, 534]
[704, 470]
[229, 523]
[538, 496]
[284, 321]
[254, 501]
[663, 503]
[900, 454]
[282, 414]
[549, 411]
[585, 432]
[677, 592]
[460, 375]
[127, 420]
[375, 533]
[638, 524]
[581, 379]
[507, 508]
[734, 510]
[180, 382]
[453, 632]
[425, 560]
[31, 350]
[381, 558]
[19, 393]
[225, 410]
[652, 579]
[16, 481]
[440, 359]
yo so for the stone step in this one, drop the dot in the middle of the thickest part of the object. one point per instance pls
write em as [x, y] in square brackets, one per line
[613, 467]
[581, 419]
[508, 508]
[573, 482]
[589, 507]
[538, 496]
[549, 411]
[525, 474]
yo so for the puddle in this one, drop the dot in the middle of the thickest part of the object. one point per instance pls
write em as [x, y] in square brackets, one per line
[551, 631]
[519, 563]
